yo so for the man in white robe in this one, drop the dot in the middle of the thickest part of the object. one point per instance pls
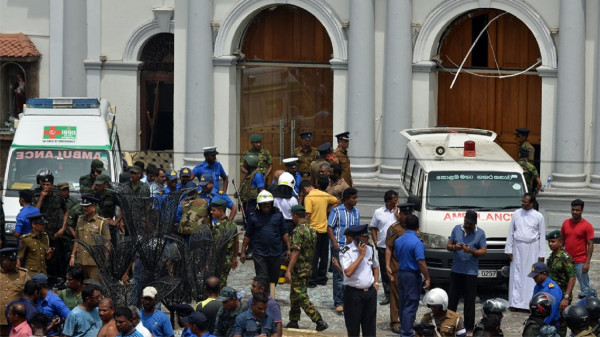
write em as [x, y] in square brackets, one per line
[525, 245]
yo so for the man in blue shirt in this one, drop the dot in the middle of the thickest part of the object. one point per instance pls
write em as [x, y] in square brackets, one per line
[206, 191]
[260, 285]
[340, 218]
[410, 253]
[153, 319]
[543, 283]
[198, 323]
[185, 176]
[467, 241]
[212, 166]
[23, 225]
[184, 311]
[84, 320]
[255, 321]
[49, 303]
[125, 323]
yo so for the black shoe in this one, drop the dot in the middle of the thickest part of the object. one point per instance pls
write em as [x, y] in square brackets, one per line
[311, 285]
[322, 283]
[294, 325]
[321, 325]
[385, 301]
[397, 330]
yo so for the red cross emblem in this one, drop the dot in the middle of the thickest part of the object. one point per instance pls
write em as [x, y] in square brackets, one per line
[52, 132]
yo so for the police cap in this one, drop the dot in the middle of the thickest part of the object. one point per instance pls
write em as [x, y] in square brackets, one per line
[344, 136]
[38, 219]
[205, 179]
[210, 150]
[406, 207]
[40, 278]
[307, 135]
[555, 234]
[172, 175]
[324, 148]
[11, 253]
[291, 162]
[87, 200]
[522, 132]
[538, 267]
[48, 179]
[98, 165]
[183, 310]
[255, 137]
[102, 179]
[357, 230]
[185, 172]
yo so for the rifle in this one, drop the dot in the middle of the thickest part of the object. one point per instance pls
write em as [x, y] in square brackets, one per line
[239, 200]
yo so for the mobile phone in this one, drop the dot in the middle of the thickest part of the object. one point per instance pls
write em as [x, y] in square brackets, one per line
[357, 240]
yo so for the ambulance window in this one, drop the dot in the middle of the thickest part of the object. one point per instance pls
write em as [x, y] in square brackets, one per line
[413, 176]
[421, 183]
[408, 172]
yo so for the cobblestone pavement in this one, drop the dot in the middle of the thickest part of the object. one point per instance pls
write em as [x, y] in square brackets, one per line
[321, 297]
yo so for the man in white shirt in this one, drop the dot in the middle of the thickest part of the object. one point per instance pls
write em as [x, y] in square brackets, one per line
[525, 245]
[137, 322]
[382, 219]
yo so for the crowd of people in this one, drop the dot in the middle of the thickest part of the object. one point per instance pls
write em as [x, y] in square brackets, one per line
[294, 229]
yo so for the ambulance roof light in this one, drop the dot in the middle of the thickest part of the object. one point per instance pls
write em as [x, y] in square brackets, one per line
[469, 149]
[63, 103]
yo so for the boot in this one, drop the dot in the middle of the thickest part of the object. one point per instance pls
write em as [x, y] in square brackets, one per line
[292, 325]
[321, 325]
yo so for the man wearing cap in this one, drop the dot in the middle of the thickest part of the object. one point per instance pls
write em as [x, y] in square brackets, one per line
[106, 311]
[86, 182]
[521, 136]
[54, 206]
[207, 192]
[88, 225]
[561, 269]
[468, 243]
[265, 160]
[401, 212]
[171, 186]
[198, 324]
[543, 283]
[341, 217]
[23, 225]
[530, 173]
[291, 166]
[225, 228]
[126, 323]
[323, 149]
[252, 184]
[72, 204]
[361, 283]
[306, 154]
[84, 320]
[48, 302]
[231, 307]
[303, 244]
[183, 311]
[107, 206]
[153, 319]
[135, 186]
[341, 152]
[35, 246]
[212, 166]
[185, 176]
[12, 281]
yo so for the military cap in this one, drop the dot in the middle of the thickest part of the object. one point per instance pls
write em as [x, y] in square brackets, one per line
[87, 200]
[98, 165]
[135, 169]
[298, 209]
[11, 253]
[291, 162]
[306, 135]
[183, 310]
[172, 175]
[219, 203]
[555, 234]
[185, 172]
[198, 318]
[38, 219]
[324, 148]
[255, 137]
[471, 217]
[522, 132]
[210, 150]
[357, 230]
[102, 179]
[227, 294]
[538, 267]
[48, 179]
[406, 207]
[205, 179]
[344, 135]
[63, 185]
[40, 278]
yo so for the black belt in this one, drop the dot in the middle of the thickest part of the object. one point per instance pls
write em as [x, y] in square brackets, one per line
[359, 289]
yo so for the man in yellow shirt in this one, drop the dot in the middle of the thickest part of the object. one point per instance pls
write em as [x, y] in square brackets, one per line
[318, 203]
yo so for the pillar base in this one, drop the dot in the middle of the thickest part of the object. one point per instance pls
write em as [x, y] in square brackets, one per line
[594, 181]
[363, 171]
[390, 172]
[565, 180]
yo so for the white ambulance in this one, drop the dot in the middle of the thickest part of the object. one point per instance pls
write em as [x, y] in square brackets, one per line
[63, 135]
[451, 170]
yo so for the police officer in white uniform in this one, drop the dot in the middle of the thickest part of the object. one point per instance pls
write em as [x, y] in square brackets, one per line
[361, 278]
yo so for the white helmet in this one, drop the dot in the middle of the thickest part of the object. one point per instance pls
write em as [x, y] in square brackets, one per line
[287, 179]
[437, 296]
[263, 197]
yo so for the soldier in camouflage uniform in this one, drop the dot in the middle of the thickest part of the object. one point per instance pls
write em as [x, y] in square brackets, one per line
[224, 226]
[521, 135]
[86, 182]
[192, 213]
[231, 307]
[35, 246]
[306, 154]
[302, 244]
[561, 269]
[107, 206]
[265, 160]
[72, 205]
[57, 214]
[532, 178]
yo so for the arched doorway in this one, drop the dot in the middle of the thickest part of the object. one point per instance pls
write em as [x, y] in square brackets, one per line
[480, 98]
[156, 93]
[286, 80]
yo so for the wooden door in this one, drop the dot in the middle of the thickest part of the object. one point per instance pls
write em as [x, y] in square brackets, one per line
[479, 97]
[286, 81]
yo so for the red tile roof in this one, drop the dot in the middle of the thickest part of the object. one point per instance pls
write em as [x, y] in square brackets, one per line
[17, 45]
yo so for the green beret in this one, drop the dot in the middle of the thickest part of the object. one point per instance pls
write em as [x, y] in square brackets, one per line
[219, 203]
[255, 137]
[554, 235]
[298, 209]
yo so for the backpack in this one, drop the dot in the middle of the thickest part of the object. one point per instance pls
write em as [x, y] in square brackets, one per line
[247, 192]
[194, 214]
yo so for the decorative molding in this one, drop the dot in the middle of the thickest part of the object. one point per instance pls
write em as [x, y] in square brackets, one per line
[424, 67]
[163, 16]
[225, 61]
[122, 65]
[139, 37]
[337, 64]
[544, 71]
[231, 30]
[92, 64]
[442, 16]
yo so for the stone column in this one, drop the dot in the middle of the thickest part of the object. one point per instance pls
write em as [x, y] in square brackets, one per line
[595, 175]
[361, 88]
[199, 106]
[397, 95]
[57, 16]
[569, 140]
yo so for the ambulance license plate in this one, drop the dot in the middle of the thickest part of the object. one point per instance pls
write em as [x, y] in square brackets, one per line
[487, 273]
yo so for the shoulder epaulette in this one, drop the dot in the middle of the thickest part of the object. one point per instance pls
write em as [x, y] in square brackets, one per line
[344, 249]
[22, 269]
[26, 235]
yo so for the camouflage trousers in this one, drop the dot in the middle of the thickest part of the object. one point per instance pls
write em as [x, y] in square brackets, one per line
[225, 273]
[299, 299]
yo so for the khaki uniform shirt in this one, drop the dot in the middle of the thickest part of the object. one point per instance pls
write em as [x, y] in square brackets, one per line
[449, 326]
[33, 251]
[304, 160]
[394, 232]
[11, 288]
[336, 189]
[342, 156]
[85, 232]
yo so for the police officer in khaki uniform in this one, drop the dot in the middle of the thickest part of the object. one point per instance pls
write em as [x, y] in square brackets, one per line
[12, 281]
[35, 246]
[342, 155]
[306, 154]
[88, 225]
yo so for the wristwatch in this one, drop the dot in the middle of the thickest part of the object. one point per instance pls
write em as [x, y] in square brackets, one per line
[567, 296]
